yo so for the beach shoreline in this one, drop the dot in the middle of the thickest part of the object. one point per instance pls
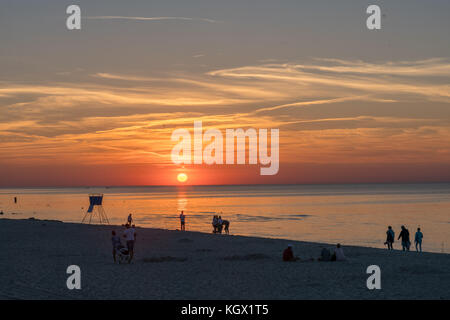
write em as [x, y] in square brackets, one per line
[357, 215]
[171, 264]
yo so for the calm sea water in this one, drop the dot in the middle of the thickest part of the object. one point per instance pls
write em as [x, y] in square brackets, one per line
[349, 214]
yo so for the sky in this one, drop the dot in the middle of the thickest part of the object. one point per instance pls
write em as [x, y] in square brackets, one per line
[97, 106]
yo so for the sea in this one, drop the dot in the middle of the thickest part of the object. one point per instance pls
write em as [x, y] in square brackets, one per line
[350, 214]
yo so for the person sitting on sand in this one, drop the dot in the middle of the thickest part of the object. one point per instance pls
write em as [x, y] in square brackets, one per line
[404, 234]
[338, 254]
[390, 236]
[182, 221]
[418, 240]
[288, 254]
[130, 236]
[116, 243]
[325, 255]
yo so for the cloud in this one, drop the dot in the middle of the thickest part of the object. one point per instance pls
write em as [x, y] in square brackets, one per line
[346, 111]
[353, 77]
[148, 18]
[428, 67]
[105, 75]
[308, 103]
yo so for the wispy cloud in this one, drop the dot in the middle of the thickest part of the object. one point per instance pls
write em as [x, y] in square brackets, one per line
[397, 78]
[123, 77]
[320, 106]
[428, 67]
[148, 18]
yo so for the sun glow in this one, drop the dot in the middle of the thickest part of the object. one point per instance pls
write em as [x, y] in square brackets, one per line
[182, 177]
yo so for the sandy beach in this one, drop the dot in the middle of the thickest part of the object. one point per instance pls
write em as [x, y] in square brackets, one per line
[172, 264]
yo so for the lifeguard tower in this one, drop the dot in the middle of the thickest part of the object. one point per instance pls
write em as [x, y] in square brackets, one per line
[95, 206]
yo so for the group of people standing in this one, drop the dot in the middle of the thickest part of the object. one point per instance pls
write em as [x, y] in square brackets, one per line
[404, 235]
[130, 237]
[288, 255]
[219, 225]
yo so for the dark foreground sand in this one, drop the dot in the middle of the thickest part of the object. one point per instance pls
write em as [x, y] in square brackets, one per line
[35, 255]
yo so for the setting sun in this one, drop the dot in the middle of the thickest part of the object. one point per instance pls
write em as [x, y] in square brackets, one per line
[182, 177]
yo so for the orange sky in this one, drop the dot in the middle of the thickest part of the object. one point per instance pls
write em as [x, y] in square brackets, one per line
[98, 106]
[63, 175]
[351, 125]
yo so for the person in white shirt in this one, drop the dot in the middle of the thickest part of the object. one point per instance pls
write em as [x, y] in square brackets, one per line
[182, 221]
[339, 253]
[130, 236]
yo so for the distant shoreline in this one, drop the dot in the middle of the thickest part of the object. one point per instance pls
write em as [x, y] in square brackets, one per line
[227, 185]
[119, 226]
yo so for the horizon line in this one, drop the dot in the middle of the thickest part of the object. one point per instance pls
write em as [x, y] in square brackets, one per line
[224, 185]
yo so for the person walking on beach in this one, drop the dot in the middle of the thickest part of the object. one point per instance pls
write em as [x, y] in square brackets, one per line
[130, 236]
[404, 234]
[130, 219]
[115, 239]
[418, 240]
[390, 236]
[182, 221]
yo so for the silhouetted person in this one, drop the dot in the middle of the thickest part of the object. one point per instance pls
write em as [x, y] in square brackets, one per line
[390, 236]
[115, 239]
[219, 224]
[288, 254]
[130, 236]
[418, 240]
[226, 225]
[182, 221]
[404, 234]
[325, 255]
[338, 254]
[214, 224]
